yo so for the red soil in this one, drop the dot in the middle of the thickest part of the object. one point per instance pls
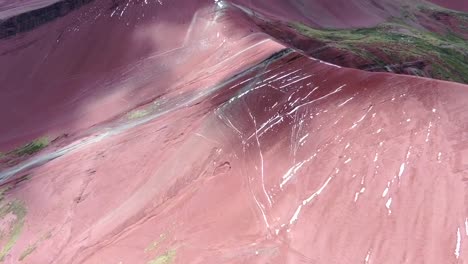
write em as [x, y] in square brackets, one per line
[112, 56]
[112, 52]
[91, 65]
[298, 161]
[317, 166]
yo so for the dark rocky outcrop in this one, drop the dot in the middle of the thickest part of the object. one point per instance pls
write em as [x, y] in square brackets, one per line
[35, 18]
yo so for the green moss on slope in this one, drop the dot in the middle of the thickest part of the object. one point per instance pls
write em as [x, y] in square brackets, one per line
[446, 53]
[32, 147]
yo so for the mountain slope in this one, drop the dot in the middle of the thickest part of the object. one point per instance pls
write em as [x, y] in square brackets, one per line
[193, 136]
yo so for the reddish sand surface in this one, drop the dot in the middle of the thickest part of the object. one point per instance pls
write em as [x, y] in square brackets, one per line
[248, 152]
[98, 62]
[102, 60]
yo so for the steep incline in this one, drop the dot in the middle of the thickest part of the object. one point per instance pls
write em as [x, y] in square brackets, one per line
[105, 58]
[197, 138]
[100, 62]
[298, 161]
[92, 56]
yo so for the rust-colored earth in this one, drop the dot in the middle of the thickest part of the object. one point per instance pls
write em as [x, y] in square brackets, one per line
[180, 132]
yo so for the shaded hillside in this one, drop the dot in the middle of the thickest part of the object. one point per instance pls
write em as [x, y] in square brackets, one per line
[32, 19]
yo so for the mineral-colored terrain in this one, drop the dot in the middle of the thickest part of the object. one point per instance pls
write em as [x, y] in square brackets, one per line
[197, 131]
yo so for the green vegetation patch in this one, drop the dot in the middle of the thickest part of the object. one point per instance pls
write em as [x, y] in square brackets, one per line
[381, 33]
[32, 147]
[135, 114]
[446, 53]
[25, 150]
[166, 258]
